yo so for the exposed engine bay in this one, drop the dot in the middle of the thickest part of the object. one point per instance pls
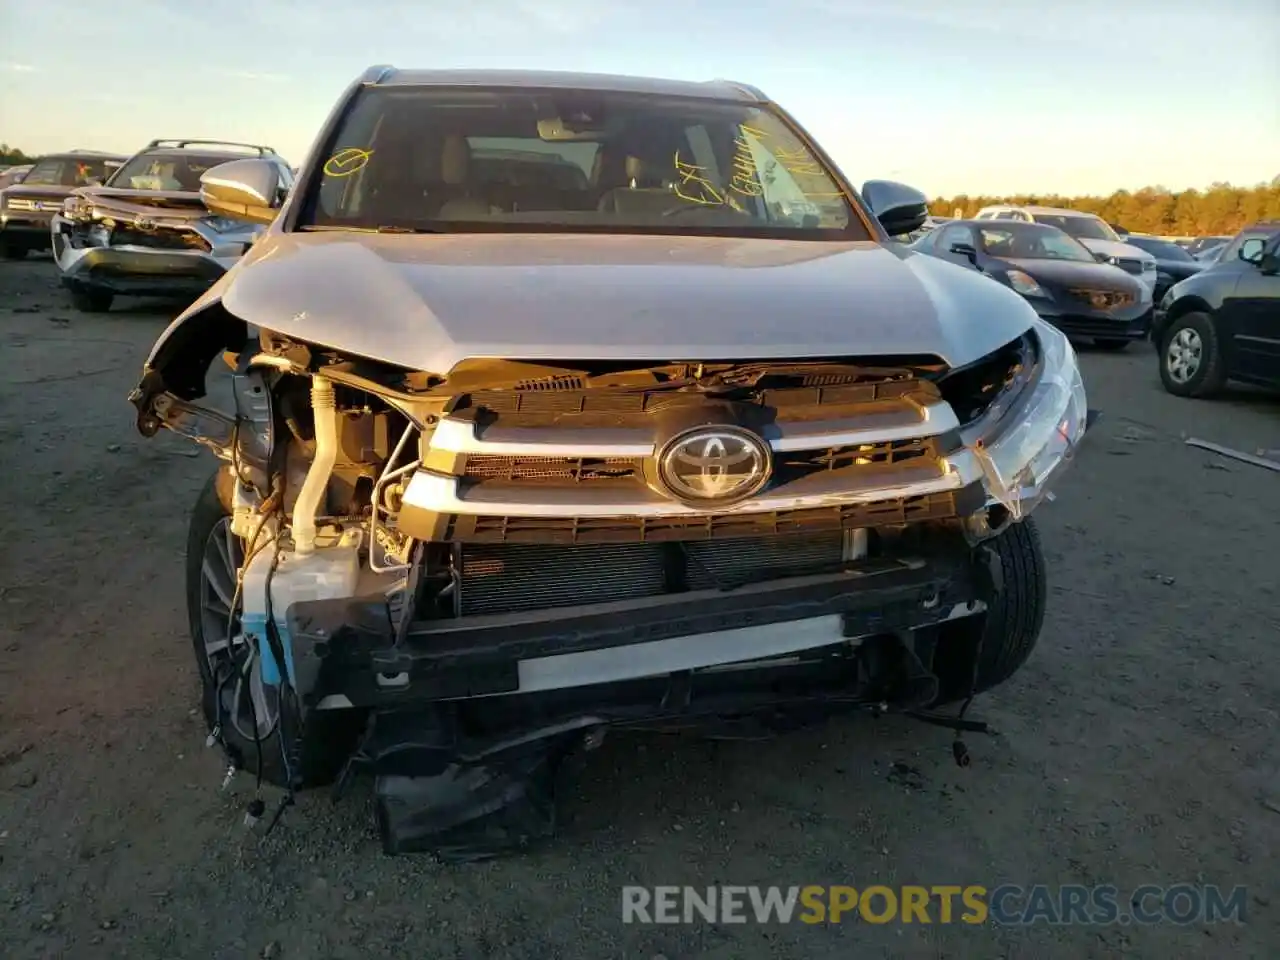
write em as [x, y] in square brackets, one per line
[459, 621]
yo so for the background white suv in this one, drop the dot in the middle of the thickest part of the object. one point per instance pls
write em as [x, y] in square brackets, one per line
[1094, 232]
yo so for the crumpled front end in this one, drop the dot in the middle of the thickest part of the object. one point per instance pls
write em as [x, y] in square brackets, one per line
[143, 243]
[493, 565]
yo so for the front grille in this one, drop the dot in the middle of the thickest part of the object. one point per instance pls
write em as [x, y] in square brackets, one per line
[565, 402]
[551, 469]
[897, 511]
[866, 457]
[787, 468]
[1102, 299]
[573, 459]
[159, 239]
[508, 579]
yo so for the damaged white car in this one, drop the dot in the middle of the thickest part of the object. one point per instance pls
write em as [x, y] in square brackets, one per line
[145, 231]
[556, 410]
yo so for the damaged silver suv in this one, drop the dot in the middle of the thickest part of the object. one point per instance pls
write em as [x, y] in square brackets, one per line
[145, 232]
[564, 402]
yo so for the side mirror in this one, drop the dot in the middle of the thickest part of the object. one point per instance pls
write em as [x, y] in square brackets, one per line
[899, 208]
[965, 250]
[1251, 251]
[1269, 262]
[246, 189]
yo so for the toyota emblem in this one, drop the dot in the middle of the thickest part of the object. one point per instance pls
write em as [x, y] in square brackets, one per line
[714, 466]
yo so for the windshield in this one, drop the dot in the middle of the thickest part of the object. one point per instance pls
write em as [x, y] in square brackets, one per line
[568, 161]
[67, 172]
[1082, 227]
[160, 170]
[1161, 249]
[1030, 241]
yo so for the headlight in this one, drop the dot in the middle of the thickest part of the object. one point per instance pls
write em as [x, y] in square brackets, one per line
[1038, 434]
[1025, 284]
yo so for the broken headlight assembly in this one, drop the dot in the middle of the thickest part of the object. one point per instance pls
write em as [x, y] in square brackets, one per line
[77, 208]
[1032, 431]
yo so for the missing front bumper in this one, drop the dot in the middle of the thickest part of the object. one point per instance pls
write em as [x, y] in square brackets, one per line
[345, 652]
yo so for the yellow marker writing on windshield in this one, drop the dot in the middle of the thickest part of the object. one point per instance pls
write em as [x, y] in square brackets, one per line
[694, 186]
[745, 179]
[798, 163]
[346, 162]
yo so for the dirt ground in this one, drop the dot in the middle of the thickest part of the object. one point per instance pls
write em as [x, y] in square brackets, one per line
[1137, 746]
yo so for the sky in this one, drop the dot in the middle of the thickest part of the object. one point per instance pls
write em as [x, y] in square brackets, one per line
[951, 96]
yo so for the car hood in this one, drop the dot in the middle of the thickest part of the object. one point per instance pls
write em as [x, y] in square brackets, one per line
[1180, 267]
[120, 201]
[1113, 248]
[1073, 274]
[429, 303]
[50, 191]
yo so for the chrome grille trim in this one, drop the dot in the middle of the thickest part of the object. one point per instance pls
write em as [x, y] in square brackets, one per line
[448, 495]
[455, 435]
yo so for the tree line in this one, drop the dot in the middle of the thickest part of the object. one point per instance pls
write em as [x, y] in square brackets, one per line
[1220, 209]
[12, 156]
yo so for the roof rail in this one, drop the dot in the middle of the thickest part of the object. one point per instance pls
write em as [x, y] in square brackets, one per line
[377, 73]
[180, 144]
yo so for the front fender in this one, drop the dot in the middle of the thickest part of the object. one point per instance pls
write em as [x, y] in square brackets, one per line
[179, 360]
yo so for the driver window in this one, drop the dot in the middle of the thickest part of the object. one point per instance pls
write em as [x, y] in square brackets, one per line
[953, 235]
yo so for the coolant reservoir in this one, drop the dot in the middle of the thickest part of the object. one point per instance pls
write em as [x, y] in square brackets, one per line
[329, 572]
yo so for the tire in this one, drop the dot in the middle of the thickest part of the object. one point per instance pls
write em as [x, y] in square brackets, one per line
[1191, 360]
[1011, 626]
[1112, 346]
[11, 251]
[331, 735]
[89, 300]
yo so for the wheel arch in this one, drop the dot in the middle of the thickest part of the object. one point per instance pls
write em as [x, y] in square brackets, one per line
[1188, 304]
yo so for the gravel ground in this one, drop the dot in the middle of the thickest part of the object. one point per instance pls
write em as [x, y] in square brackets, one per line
[1137, 746]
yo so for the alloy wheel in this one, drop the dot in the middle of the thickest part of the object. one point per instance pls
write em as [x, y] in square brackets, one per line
[1184, 355]
[243, 699]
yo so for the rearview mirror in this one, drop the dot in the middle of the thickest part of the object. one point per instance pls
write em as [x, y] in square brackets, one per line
[247, 189]
[899, 208]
